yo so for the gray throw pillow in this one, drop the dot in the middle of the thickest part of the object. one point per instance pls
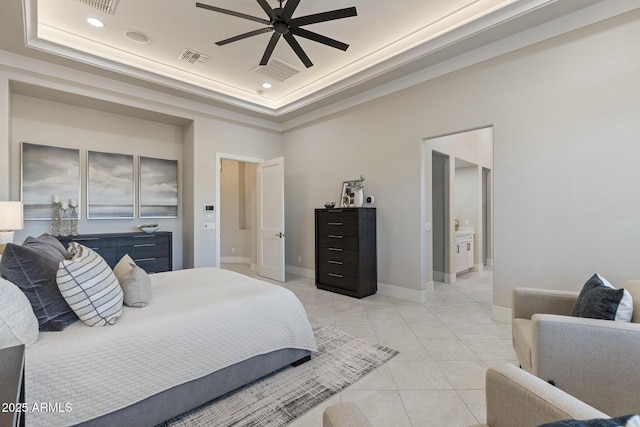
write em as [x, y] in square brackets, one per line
[33, 270]
[135, 282]
[598, 299]
[47, 244]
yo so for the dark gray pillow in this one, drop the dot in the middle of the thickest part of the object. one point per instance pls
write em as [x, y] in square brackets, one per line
[46, 245]
[597, 300]
[612, 422]
[33, 269]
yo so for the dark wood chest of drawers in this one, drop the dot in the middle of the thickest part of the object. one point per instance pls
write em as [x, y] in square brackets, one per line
[346, 258]
[152, 252]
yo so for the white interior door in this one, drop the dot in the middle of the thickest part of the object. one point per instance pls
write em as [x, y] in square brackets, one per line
[271, 219]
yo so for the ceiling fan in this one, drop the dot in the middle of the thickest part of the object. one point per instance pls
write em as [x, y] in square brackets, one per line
[280, 21]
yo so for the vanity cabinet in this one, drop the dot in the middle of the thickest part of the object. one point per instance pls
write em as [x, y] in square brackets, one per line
[150, 251]
[464, 252]
[346, 257]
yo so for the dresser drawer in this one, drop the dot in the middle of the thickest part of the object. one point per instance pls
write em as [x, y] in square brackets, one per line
[142, 239]
[337, 241]
[143, 250]
[341, 223]
[338, 280]
[329, 260]
[153, 265]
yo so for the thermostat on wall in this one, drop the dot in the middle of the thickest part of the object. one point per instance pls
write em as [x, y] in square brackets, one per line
[208, 208]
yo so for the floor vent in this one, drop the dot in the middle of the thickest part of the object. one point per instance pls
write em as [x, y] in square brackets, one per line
[193, 57]
[106, 6]
[277, 69]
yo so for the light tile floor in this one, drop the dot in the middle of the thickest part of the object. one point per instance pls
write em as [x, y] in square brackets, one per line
[445, 348]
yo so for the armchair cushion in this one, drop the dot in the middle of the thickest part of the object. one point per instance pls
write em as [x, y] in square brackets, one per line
[599, 299]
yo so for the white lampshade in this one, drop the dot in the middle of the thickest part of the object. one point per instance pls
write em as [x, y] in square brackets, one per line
[10, 219]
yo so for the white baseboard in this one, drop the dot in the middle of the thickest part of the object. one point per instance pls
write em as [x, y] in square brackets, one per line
[438, 276]
[412, 295]
[478, 267]
[501, 314]
[489, 262]
[449, 278]
[299, 271]
[235, 260]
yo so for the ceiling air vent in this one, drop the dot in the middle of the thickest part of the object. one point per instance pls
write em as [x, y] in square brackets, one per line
[106, 6]
[277, 69]
[193, 57]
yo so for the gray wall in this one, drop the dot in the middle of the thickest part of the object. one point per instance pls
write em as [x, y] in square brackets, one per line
[566, 131]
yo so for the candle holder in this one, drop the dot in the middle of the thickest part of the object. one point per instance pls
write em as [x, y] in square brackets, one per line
[73, 219]
[56, 219]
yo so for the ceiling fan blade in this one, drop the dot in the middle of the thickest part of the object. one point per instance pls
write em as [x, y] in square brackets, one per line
[232, 13]
[319, 38]
[245, 35]
[265, 6]
[324, 16]
[288, 10]
[269, 50]
[298, 50]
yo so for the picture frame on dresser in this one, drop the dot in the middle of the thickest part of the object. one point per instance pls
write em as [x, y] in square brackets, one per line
[158, 184]
[47, 172]
[347, 191]
[110, 186]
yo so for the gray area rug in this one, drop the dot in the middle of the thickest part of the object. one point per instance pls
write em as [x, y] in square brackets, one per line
[278, 399]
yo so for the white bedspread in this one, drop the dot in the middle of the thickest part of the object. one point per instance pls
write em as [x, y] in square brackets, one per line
[198, 321]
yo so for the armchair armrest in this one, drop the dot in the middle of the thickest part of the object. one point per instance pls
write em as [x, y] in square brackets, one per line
[594, 360]
[528, 301]
[516, 398]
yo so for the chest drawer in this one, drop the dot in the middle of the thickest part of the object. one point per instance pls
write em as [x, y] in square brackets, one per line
[346, 251]
[338, 223]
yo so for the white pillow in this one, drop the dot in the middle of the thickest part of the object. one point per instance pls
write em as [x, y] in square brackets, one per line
[135, 282]
[625, 308]
[89, 286]
[18, 323]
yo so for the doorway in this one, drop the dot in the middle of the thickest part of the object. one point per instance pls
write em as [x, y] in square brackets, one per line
[261, 206]
[238, 213]
[458, 204]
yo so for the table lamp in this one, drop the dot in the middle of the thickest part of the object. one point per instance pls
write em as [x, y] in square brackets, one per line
[10, 220]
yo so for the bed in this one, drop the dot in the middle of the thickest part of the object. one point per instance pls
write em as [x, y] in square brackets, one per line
[204, 333]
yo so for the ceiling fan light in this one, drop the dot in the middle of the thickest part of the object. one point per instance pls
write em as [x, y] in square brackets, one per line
[95, 22]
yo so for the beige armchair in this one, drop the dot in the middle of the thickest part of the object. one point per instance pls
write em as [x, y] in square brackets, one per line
[591, 359]
[515, 398]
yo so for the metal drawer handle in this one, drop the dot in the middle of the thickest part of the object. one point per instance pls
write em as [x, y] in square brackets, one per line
[336, 223]
[339, 276]
[95, 249]
[334, 236]
[84, 239]
[143, 245]
[336, 262]
[336, 249]
[144, 259]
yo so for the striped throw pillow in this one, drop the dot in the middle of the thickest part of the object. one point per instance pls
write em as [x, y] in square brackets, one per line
[89, 286]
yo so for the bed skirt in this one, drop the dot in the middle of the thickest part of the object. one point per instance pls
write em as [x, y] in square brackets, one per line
[180, 399]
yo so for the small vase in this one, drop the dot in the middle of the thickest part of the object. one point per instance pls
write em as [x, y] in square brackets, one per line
[358, 197]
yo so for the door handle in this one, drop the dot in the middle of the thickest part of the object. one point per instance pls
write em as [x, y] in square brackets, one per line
[280, 235]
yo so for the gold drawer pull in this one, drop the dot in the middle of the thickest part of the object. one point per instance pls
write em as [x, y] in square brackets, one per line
[336, 262]
[334, 236]
[339, 276]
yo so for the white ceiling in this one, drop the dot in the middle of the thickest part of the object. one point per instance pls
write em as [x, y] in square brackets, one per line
[388, 40]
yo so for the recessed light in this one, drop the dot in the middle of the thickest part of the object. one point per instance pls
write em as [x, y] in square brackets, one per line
[137, 36]
[266, 85]
[95, 22]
